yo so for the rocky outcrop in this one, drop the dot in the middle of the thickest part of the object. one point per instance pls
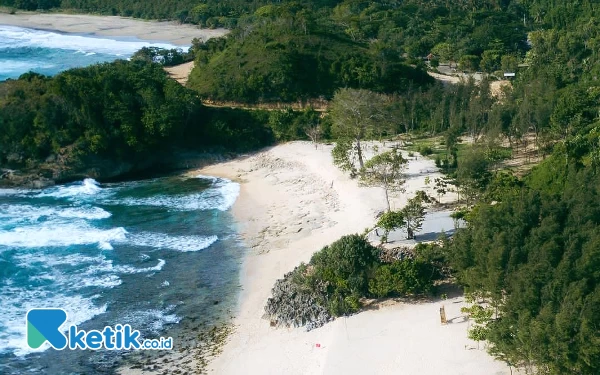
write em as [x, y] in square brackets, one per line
[387, 255]
[28, 180]
[293, 305]
[67, 166]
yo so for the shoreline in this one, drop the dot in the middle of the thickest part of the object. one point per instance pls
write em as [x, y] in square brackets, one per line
[292, 202]
[180, 35]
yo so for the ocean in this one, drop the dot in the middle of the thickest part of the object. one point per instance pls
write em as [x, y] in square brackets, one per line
[46, 52]
[160, 254]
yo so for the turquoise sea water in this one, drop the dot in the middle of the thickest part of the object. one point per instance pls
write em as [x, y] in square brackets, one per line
[159, 254]
[45, 52]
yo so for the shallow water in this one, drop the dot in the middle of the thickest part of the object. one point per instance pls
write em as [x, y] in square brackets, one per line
[160, 254]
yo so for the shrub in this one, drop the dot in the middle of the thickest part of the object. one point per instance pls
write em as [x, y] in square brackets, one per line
[335, 280]
[425, 150]
[402, 277]
[345, 265]
[438, 161]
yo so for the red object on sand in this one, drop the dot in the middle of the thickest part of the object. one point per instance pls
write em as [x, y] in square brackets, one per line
[318, 345]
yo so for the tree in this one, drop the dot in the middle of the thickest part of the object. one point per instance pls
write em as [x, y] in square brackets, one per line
[472, 173]
[443, 51]
[469, 62]
[357, 115]
[389, 221]
[414, 214]
[441, 187]
[510, 63]
[314, 133]
[407, 276]
[478, 333]
[385, 170]
[490, 60]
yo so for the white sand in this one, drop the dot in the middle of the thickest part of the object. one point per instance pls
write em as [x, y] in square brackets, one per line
[288, 209]
[180, 72]
[111, 26]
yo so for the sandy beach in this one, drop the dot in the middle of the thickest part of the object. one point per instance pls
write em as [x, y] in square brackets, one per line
[111, 26]
[293, 201]
[180, 72]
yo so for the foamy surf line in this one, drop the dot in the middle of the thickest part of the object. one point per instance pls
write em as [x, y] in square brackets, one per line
[21, 37]
[96, 265]
[25, 212]
[221, 196]
[179, 243]
[52, 234]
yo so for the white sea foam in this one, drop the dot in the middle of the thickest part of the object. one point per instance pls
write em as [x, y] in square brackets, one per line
[105, 246]
[87, 187]
[15, 37]
[105, 281]
[15, 302]
[89, 213]
[30, 259]
[130, 269]
[96, 265]
[57, 234]
[205, 177]
[9, 192]
[152, 320]
[25, 212]
[51, 235]
[220, 196]
[229, 192]
[179, 243]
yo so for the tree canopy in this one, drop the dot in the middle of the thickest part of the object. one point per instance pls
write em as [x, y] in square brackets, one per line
[534, 255]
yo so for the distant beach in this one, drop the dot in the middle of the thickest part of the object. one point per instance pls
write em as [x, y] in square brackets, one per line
[111, 26]
[50, 43]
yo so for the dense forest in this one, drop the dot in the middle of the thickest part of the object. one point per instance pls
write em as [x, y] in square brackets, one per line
[122, 112]
[126, 114]
[533, 257]
[279, 62]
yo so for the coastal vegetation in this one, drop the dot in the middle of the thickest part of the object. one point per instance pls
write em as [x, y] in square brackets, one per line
[124, 110]
[128, 113]
[339, 277]
[529, 249]
[278, 61]
[384, 170]
[532, 256]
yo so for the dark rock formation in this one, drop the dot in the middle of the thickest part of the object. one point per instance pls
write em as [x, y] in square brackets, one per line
[66, 166]
[397, 253]
[295, 306]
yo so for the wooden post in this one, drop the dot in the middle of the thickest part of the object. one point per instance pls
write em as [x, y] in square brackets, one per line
[443, 315]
